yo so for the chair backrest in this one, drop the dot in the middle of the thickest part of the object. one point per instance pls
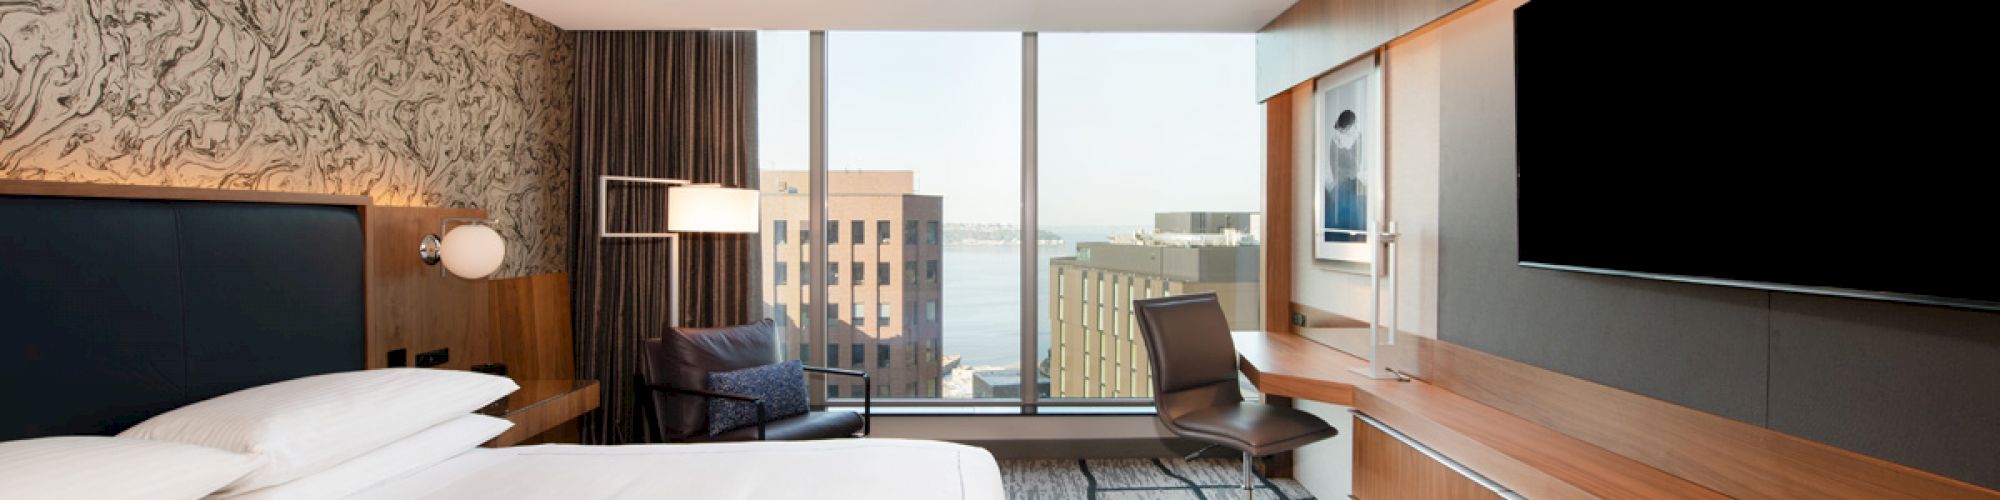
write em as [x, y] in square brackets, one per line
[1194, 360]
[683, 358]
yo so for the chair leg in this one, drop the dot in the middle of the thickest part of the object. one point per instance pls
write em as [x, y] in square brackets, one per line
[1249, 482]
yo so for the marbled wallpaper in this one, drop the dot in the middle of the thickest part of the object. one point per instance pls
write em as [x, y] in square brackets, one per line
[458, 103]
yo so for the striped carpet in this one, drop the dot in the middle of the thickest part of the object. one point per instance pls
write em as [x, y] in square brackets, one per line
[1137, 479]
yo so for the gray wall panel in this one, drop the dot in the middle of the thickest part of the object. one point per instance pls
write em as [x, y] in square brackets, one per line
[1910, 384]
[1695, 346]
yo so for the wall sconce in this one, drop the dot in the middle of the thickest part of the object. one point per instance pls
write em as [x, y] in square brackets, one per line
[473, 250]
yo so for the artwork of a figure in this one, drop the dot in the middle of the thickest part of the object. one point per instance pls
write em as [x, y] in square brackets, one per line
[1349, 156]
[1346, 195]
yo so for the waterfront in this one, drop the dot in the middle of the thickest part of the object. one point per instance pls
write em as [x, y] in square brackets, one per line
[982, 297]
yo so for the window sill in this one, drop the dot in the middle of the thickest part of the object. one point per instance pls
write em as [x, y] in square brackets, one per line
[998, 410]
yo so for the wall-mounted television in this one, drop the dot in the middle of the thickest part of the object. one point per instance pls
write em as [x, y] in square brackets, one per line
[1784, 146]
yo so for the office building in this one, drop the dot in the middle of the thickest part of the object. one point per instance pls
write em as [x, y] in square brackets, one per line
[1095, 349]
[882, 277]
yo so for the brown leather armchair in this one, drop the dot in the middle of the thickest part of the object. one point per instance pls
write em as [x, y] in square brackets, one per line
[676, 368]
[1194, 384]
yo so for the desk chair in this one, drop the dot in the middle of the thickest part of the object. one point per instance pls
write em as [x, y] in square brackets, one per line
[1194, 384]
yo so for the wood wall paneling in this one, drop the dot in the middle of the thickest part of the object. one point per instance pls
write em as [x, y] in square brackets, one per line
[531, 324]
[1315, 36]
[1387, 469]
[1277, 245]
[416, 306]
[531, 327]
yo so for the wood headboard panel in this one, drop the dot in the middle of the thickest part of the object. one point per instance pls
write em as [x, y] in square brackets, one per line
[532, 326]
[419, 307]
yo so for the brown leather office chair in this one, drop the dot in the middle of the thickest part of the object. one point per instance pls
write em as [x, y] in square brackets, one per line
[676, 368]
[1194, 384]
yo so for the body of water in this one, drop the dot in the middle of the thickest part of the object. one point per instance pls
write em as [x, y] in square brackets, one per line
[982, 297]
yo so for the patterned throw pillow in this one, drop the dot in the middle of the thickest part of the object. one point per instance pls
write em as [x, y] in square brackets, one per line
[782, 385]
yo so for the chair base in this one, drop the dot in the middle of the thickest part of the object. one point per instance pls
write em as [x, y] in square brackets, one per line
[1249, 480]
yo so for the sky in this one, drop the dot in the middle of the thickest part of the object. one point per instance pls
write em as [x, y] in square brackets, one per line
[1130, 124]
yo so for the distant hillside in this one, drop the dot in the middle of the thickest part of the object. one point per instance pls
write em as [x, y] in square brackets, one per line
[993, 234]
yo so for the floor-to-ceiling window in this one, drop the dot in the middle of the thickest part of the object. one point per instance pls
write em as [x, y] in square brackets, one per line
[1150, 178]
[923, 130]
[1147, 150]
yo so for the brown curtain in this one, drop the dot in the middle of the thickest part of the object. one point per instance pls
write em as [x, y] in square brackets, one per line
[677, 105]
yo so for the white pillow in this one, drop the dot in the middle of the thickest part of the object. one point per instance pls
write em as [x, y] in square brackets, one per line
[427, 448]
[108, 468]
[306, 425]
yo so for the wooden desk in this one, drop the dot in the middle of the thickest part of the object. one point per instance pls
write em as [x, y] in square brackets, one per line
[1546, 434]
[1530, 459]
[541, 405]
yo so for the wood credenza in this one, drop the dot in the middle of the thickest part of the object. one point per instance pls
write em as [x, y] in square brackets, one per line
[1388, 468]
[1559, 436]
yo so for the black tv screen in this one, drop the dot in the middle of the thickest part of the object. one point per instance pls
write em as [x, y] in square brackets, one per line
[1758, 146]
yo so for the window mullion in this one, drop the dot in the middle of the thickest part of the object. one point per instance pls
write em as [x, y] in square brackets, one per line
[1030, 376]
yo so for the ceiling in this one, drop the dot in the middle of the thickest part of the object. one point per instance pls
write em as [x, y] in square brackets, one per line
[1224, 16]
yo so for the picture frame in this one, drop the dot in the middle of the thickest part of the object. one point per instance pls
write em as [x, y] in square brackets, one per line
[1348, 168]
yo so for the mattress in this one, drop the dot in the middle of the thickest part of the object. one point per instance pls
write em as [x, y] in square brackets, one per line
[872, 469]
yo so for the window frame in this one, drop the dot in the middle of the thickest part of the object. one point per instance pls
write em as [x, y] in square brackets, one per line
[930, 234]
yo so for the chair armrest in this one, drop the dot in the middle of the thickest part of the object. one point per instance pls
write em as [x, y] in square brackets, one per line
[722, 395]
[837, 371]
[705, 394]
[867, 395]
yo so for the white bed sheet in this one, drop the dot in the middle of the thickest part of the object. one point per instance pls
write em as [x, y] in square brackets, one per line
[859, 469]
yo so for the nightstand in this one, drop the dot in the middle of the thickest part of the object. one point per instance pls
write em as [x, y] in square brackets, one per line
[541, 405]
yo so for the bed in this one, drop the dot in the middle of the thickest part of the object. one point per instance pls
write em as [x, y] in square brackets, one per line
[124, 308]
[871, 469]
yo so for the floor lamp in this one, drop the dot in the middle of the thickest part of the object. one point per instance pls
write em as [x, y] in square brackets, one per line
[691, 208]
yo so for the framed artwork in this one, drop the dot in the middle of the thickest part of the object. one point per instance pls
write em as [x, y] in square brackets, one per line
[1347, 156]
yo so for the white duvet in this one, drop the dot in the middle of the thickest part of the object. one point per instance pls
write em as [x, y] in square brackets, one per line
[860, 469]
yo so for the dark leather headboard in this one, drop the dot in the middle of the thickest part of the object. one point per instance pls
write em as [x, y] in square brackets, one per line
[115, 310]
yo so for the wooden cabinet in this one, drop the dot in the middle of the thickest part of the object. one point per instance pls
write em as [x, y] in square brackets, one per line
[1387, 469]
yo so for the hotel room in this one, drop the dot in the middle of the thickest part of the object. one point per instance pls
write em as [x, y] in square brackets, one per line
[1015, 249]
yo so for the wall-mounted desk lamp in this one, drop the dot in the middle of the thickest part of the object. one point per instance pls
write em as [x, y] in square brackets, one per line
[472, 250]
[691, 208]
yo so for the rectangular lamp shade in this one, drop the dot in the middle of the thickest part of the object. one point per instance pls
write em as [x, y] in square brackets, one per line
[711, 208]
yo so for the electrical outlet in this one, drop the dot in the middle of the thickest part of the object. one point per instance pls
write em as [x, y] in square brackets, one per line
[399, 358]
[433, 358]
